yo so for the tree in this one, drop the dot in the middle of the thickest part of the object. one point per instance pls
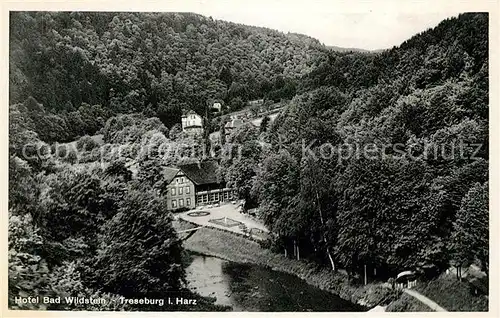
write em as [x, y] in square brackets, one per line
[264, 124]
[33, 106]
[175, 131]
[74, 207]
[140, 253]
[236, 103]
[86, 143]
[30, 275]
[276, 185]
[321, 200]
[28, 272]
[254, 110]
[226, 76]
[24, 186]
[118, 169]
[241, 164]
[469, 239]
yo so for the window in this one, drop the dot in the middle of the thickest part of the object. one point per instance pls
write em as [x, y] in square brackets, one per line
[188, 202]
[174, 203]
[182, 180]
[181, 202]
[173, 191]
[187, 190]
[180, 190]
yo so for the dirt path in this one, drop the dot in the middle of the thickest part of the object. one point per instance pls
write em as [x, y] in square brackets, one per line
[428, 302]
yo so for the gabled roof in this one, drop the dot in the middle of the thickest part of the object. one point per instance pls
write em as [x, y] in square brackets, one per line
[170, 173]
[190, 112]
[202, 172]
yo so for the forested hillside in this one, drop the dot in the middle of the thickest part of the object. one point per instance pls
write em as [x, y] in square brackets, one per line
[156, 63]
[82, 225]
[376, 161]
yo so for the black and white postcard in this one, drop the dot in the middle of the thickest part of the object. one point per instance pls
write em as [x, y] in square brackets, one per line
[268, 156]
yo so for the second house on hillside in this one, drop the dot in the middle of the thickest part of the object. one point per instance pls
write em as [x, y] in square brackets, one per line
[231, 125]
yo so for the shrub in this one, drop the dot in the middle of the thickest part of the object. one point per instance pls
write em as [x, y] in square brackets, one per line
[71, 156]
[180, 210]
[86, 143]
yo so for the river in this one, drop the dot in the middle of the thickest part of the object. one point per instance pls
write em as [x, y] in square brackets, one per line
[255, 288]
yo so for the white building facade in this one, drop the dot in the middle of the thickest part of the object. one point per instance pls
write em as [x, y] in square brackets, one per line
[192, 123]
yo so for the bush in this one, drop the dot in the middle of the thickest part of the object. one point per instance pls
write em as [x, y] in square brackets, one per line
[71, 156]
[86, 143]
[180, 210]
[265, 244]
[90, 156]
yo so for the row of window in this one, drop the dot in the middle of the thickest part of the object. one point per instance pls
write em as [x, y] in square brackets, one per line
[174, 191]
[181, 203]
[179, 180]
[214, 197]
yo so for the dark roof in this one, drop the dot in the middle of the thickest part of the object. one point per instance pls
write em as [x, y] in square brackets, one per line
[190, 112]
[170, 173]
[202, 172]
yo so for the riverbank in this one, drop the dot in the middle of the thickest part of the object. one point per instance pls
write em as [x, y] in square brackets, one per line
[231, 247]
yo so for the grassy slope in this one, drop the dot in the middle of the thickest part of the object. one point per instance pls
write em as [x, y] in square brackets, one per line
[448, 292]
[453, 295]
[407, 303]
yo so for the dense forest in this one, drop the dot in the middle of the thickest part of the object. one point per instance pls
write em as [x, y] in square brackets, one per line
[159, 64]
[90, 220]
[422, 109]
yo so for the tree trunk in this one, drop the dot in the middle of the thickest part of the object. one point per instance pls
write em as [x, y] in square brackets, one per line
[331, 259]
[324, 237]
[366, 280]
[298, 252]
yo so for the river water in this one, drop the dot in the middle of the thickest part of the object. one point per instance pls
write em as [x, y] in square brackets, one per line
[256, 288]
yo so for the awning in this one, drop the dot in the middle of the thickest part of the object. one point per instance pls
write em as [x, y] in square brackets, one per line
[405, 273]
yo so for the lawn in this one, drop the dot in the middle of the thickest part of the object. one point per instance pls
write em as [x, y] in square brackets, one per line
[447, 292]
[453, 295]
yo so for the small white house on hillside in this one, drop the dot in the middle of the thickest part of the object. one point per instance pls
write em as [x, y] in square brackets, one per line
[217, 106]
[192, 123]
